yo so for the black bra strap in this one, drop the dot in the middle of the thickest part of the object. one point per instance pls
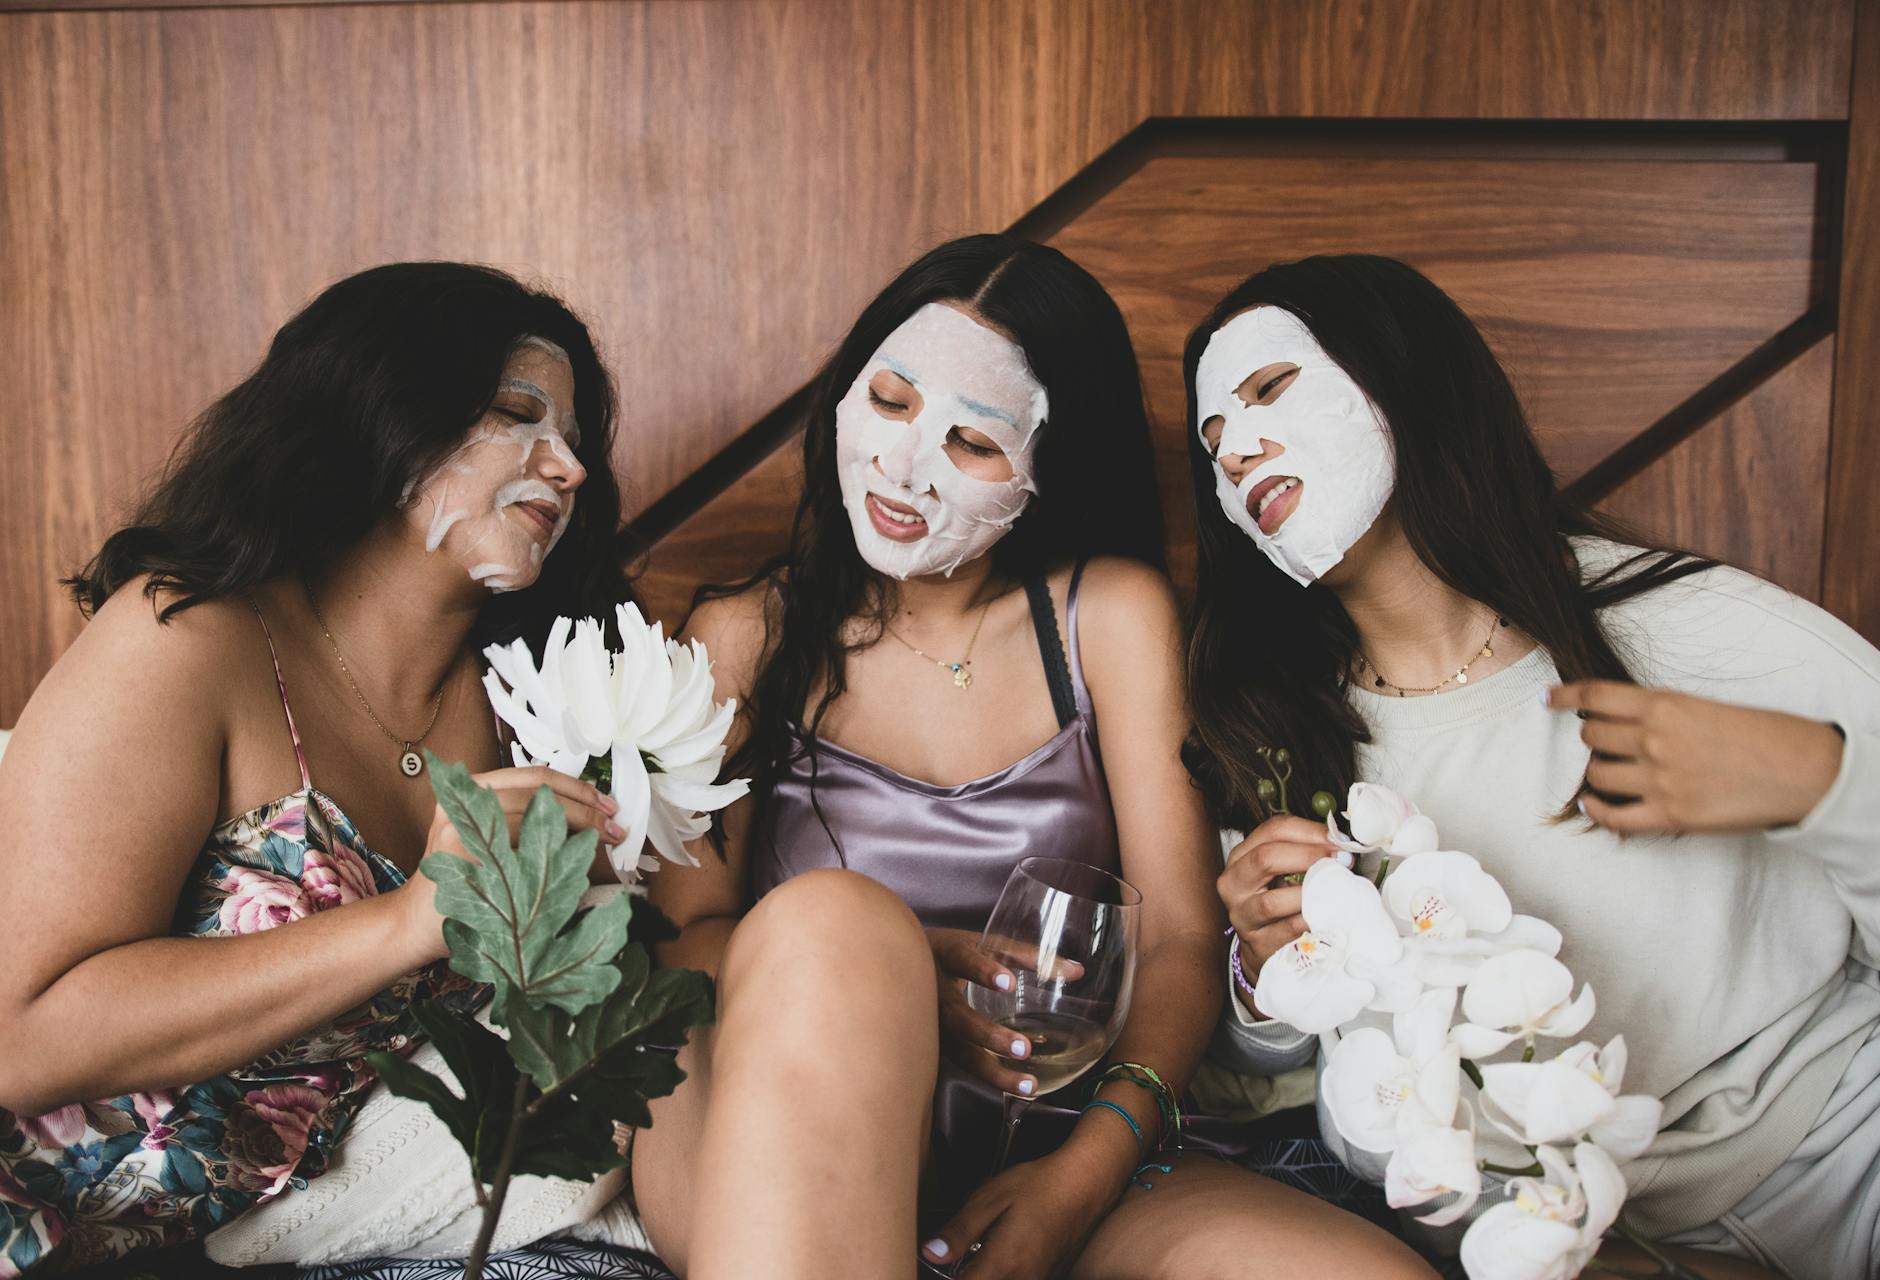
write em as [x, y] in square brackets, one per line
[1057, 672]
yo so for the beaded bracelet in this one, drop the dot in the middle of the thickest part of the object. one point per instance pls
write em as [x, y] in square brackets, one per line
[1240, 974]
[1142, 1145]
[1146, 1077]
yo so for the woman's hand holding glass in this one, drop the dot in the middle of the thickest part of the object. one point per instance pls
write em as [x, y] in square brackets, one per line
[972, 1041]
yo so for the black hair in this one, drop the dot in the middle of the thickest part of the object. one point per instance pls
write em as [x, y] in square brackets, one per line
[1269, 663]
[373, 383]
[1094, 468]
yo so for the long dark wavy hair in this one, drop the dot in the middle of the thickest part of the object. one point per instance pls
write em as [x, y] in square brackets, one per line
[373, 383]
[1095, 470]
[1268, 662]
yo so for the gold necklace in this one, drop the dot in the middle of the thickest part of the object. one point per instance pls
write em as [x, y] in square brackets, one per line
[410, 763]
[1461, 675]
[962, 678]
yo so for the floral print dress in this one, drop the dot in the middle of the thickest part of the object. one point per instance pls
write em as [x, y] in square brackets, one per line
[93, 1181]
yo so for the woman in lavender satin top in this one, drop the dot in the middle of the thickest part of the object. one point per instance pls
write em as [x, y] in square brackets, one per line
[916, 720]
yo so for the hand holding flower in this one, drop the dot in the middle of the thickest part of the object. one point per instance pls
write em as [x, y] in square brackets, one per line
[1667, 761]
[1262, 904]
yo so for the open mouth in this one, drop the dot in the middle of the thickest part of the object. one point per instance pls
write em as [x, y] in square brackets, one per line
[895, 520]
[1272, 500]
[545, 515]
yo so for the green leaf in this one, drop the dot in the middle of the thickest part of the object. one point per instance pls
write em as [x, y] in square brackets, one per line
[506, 912]
[480, 1062]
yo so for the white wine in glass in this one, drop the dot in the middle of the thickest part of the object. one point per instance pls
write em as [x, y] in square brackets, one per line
[1068, 932]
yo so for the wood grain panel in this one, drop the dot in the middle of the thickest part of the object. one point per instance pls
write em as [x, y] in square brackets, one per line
[1851, 560]
[719, 186]
[1750, 488]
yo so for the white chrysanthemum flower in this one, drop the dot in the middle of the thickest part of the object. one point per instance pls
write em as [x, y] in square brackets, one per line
[642, 718]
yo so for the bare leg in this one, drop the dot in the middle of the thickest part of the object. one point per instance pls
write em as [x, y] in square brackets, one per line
[796, 1139]
[1211, 1221]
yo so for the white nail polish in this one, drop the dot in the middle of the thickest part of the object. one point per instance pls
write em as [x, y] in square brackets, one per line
[1580, 804]
[1026, 1086]
[1003, 982]
[1544, 702]
[1020, 1048]
[938, 1248]
[1346, 859]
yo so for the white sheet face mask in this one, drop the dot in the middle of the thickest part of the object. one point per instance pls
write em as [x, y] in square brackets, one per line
[480, 505]
[966, 376]
[1336, 444]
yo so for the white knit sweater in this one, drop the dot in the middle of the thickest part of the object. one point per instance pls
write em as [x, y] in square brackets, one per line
[1740, 967]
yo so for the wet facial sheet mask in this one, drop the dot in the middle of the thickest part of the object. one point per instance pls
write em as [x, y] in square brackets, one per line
[468, 493]
[967, 376]
[1336, 442]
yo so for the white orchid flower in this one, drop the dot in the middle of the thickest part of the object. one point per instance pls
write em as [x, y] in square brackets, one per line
[645, 712]
[1550, 1227]
[1399, 1093]
[1346, 962]
[1573, 1096]
[1378, 820]
[1519, 994]
[1453, 915]
[1433, 1158]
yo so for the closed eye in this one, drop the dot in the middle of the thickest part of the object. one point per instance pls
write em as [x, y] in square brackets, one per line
[958, 437]
[882, 402]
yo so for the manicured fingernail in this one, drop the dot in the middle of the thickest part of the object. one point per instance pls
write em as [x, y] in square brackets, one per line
[617, 833]
[1580, 804]
[1547, 698]
[1003, 982]
[938, 1248]
[1020, 1047]
[1027, 1085]
[1346, 859]
[610, 804]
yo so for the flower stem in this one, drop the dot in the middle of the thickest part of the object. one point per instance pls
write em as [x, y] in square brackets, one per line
[1383, 865]
[499, 1185]
[1472, 1071]
[1667, 1265]
[1527, 1054]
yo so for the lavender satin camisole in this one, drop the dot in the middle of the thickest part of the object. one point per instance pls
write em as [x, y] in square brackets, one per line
[946, 851]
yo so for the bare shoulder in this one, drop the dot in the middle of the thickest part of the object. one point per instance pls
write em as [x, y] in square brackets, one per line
[1126, 613]
[127, 647]
[736, 631]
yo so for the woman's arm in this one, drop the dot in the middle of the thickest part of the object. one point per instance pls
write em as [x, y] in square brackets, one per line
[1130, 642]
[707, 901]
[108, 791]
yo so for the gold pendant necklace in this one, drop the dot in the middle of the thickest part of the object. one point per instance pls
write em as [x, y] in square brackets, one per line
[410, 763]
[1461, 675]
[962, 678]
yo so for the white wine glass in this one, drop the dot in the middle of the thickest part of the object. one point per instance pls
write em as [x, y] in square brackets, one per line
[1069, 934]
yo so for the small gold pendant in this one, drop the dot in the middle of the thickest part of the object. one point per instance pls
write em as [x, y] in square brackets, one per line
[1462, 677]
[962, 678]
[411, 764]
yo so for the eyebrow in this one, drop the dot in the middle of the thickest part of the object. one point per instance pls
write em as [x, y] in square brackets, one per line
[987, 411]
[527, 388]
[897, 368]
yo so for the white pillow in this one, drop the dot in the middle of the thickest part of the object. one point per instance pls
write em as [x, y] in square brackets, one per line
[399, 1186]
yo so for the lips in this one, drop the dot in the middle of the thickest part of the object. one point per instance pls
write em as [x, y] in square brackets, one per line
[1272, 500]
[883, 513]
[546, 515]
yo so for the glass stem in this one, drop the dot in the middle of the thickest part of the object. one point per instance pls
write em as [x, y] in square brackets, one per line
[1015, 1107]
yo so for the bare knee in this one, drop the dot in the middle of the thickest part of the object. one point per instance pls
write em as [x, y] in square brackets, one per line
[839, 916]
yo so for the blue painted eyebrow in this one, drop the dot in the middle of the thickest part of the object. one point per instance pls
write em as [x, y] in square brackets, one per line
[897, 367]
[987, 411]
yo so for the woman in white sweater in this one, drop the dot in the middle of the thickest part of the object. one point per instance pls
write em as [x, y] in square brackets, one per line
[1392, 588]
